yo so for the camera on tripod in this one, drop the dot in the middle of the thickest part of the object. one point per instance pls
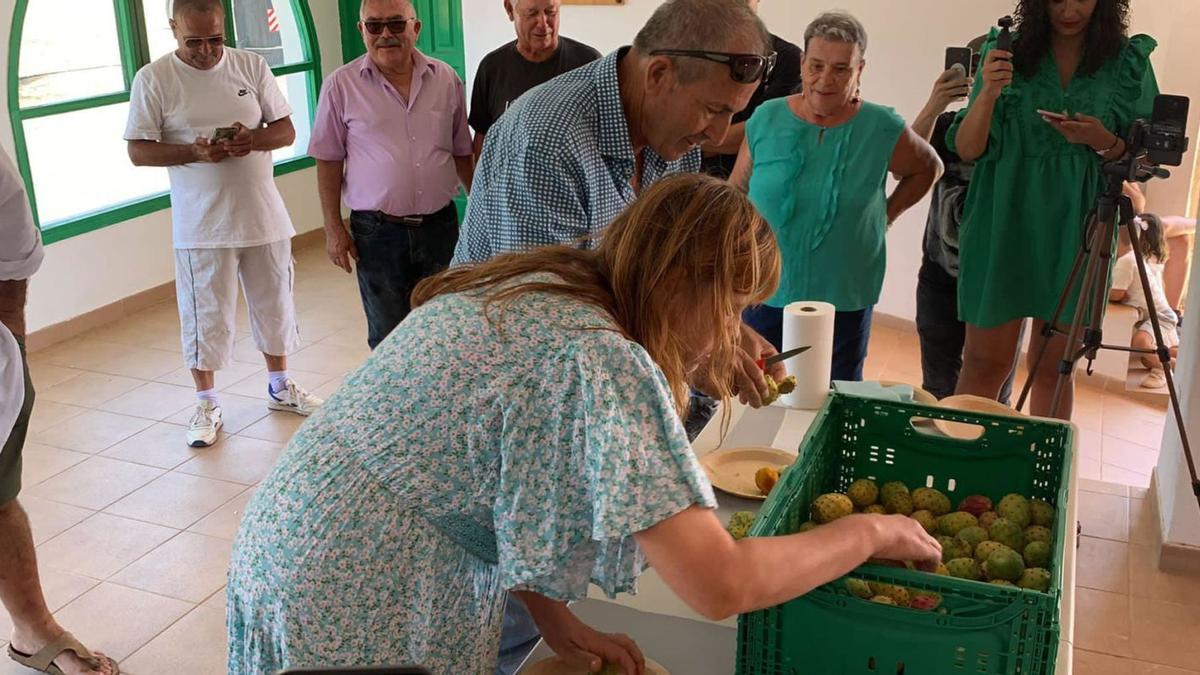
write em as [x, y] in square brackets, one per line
[1163, 139]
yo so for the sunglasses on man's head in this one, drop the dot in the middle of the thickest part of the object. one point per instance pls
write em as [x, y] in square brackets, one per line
[198, 42]
[743, 68]
[396, 26]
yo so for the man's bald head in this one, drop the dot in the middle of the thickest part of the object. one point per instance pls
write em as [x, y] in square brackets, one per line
[197, 6]
[387, 7]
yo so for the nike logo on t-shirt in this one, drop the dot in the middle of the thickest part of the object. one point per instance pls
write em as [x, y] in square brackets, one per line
[243, 92]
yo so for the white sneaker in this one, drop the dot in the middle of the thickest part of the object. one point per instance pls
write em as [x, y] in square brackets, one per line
[204, 425]
[294, 399]
[1155, 379]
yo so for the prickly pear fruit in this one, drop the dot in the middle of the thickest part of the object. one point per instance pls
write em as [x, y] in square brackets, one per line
[863, 492]
[975, 505]
[1008, 533]
[899, 502]
[883, 600]
[925, 601]
[1035, 578]
[953, 547]
[1037, 554]
[931, 500]
[890, 488]
[1038, 533]
[1041, 512]
[859, 588]
[1004, 564]
[987, 518]
[875, 508]
[1016, 508]
[951, 523]
[829, 507]
[973, 536]
[964, 568]
[926, 519]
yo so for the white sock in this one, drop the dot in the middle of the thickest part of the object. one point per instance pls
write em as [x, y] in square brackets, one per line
[278, 380]
[208, 395]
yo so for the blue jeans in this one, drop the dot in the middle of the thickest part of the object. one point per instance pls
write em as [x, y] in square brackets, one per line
[393, 257]
[943, 335]
[518, 637]
[851, 332]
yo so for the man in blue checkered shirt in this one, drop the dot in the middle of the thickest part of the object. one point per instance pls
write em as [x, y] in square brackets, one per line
[572, 153]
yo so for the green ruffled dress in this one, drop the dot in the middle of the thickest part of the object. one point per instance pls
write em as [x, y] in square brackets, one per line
[1031, 190]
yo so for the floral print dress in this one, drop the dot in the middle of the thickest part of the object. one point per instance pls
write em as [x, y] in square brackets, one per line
[463, 459]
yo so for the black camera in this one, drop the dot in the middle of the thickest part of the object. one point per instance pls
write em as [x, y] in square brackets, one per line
[1163, 139]
[1004, 39]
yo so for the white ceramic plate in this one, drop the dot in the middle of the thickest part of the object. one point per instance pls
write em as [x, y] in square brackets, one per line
[732, 470]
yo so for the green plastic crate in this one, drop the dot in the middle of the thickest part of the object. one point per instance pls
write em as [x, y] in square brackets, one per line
[985, 629]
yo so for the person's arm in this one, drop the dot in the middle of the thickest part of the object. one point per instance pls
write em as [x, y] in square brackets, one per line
[1177, 226]
[1117, 295]
[12, 305]
[742, 168]
[719, 577]
[154, 153]
[465, 168]
[339, 245]
[278, 134]
[975, 129]
[477, 144]
[916, 165]
[948, 88]
[575, 642]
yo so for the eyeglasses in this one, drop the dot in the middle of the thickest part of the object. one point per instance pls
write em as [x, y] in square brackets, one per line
[396, 26]
[197, 43]
[743, 68]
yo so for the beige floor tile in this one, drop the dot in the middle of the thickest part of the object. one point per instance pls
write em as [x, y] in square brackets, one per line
[319, 327]
[162, 445]
[1089, 444]
[1116, 474]
[1104, 515]
[1093, 663]
[255, 386]
[61, 588]
[235, 371]
[48, 414]
[224, 521]
[1143, 668]
[1134, 422]
[176, 500]
[1130, 456]
[1166, 632]
[1144, 527]
[91, 431]
[39, 462]
[246, 351]
[240, 459]
[1088, 411]
[352, 336]
[89, 389]
[329, 359]
[118, 620]
[1103, 565]
[140, 331]
[153, 400]
[101, 545]
[49, 519]
[95, 483]
[237, 412]
[277, 427]
[216, 601]
[46, 375]
[327, 390]
[1147, 581]
[189, 567]
[195, 645]
[115, 359]
[1103, 488]
[1102, 622]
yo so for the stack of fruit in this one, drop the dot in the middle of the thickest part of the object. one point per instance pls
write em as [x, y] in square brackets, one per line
[1008, 545]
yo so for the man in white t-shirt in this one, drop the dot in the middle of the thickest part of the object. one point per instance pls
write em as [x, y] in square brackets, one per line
[212, 115]
[36, 637]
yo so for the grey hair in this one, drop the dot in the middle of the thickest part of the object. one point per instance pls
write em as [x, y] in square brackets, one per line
[710, 25]
[362, 7]
[197, 6]
[837, 27]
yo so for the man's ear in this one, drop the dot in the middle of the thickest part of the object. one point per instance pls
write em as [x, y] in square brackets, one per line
[508, 9]
[660, 74]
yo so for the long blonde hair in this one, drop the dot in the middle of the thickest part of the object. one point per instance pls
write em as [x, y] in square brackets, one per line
[689, 238]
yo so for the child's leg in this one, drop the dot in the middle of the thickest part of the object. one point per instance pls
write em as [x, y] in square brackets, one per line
[1144, 340]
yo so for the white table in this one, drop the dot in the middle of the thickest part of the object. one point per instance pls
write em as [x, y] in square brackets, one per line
[687, 643]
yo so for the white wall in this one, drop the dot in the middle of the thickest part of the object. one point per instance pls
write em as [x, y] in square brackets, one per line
[92, 270]
[905, 53]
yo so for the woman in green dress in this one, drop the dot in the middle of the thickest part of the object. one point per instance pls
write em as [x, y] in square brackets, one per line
[1036, 177]
[816, 165]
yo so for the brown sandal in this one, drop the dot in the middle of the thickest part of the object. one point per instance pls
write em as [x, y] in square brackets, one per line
[43, 661]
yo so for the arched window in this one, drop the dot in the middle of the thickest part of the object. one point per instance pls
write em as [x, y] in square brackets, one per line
[70, 69]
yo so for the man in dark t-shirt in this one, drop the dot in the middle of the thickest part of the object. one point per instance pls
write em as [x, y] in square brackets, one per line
[537, 55]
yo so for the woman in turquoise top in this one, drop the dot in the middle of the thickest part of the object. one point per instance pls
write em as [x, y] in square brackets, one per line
[1037, 177]
[520, 432]
[816, 165]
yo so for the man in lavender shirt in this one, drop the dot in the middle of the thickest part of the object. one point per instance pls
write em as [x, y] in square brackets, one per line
[391, 139]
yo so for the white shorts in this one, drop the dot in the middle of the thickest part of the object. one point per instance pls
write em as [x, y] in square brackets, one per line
[206, 286]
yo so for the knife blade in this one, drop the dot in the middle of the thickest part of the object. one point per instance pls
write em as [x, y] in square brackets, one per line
[772, 360]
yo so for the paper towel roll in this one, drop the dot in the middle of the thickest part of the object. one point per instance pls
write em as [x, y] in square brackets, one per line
[808, 324]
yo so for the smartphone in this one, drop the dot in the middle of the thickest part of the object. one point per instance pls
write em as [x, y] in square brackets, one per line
[1060, 117]
[223, 134]
[959, 56]
[975, 59]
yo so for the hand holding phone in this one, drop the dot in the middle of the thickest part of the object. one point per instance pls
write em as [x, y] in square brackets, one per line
[223, 134]
[1053, 116]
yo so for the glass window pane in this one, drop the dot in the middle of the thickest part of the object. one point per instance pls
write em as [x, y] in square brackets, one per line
[58, 62]
[295, 89]
[98, 174]
[159, 38]
[271, 28]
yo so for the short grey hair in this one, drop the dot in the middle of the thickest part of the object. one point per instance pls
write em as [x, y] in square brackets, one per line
[196, 6]
[362, 7]
[709, 25]
[837, 27]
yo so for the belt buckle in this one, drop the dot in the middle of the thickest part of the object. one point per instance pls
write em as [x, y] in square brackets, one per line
[412, 220]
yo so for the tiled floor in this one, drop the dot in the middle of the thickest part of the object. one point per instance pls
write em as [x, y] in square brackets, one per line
[134, 528]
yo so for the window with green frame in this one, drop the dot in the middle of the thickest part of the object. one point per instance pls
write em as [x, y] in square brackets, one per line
[69, 99]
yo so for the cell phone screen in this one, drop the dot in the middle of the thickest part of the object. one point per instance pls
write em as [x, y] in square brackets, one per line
[223, 134]
[959, 55]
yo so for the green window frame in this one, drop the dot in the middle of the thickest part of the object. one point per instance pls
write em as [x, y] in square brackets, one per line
[131, 31]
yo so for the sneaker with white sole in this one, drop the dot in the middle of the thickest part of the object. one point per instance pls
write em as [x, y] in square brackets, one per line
[204, 425]
[294, 399]
[1155, 379]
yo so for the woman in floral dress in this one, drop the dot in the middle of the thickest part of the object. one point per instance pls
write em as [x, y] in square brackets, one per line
[520, 432]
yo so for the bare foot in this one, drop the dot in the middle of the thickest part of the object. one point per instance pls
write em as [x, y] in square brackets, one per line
[67, 661]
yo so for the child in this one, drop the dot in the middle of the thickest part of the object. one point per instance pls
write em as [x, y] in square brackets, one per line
[1127, 289]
